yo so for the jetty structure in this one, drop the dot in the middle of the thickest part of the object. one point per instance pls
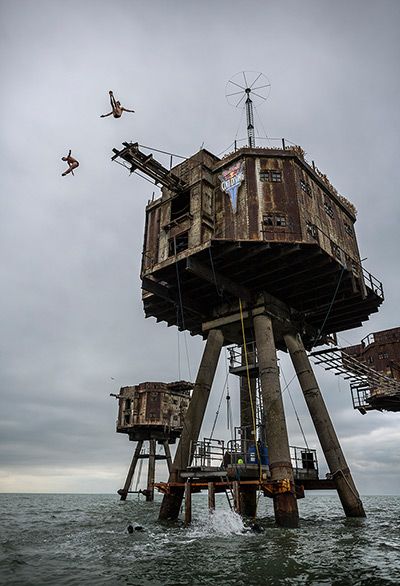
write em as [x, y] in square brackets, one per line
[256, 251]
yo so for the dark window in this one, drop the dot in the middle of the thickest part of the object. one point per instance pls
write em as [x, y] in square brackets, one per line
[328, 208]
[180, 205]
[348, 229]
[177, 244]
[306, 187]
[127, 403]
[336, 250]
[312, 230]
[278, 220]
[370, 359]
[268, 220]
[273, 176]
[276, 176]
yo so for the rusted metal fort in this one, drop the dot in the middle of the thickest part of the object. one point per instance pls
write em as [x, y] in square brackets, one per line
[256, 251]
[151, 413]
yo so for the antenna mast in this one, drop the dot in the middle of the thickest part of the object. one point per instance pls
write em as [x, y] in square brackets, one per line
[250, 118]
[248, 89]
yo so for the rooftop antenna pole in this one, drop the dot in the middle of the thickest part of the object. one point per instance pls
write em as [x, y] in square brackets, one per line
[250, 118]
[248, 89]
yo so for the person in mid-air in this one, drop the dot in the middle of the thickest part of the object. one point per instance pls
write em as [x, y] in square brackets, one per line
[72, 164]
[116, 108]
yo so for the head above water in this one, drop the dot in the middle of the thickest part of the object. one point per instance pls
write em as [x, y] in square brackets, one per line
[130, 529]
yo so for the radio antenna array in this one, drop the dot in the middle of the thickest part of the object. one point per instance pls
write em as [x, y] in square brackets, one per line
[245, 90]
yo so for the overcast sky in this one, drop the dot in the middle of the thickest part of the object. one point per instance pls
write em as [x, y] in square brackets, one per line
[72, 326]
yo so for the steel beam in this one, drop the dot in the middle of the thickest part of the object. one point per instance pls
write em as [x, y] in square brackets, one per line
[124, 491]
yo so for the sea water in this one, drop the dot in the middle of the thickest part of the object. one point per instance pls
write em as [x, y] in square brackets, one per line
[82, 539]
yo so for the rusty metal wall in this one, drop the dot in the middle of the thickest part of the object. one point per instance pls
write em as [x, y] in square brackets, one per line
[301, 207]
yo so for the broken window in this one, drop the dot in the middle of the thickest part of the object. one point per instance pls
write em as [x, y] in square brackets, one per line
[268, 220]
[180, 205]
[178, 243]
[276, 176]
[348, 229]
[312, 230]
[328, 208]
[271, 175]
[306, 187]
[336, 251]
[280, 220]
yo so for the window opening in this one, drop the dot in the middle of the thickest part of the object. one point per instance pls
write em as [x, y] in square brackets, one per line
[276, 176]
[180, 205]
[268, 220]
[312, 230]
[180, 243]
[348, 229]
[336, 251]
[328, 208]
[271, 175]
[306, 187]
[280, 220]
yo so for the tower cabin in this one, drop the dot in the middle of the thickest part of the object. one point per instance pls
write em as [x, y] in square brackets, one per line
[153, 410]
[151, 413]
[259, 220]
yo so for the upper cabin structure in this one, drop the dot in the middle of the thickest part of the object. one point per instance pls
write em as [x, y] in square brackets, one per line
[153, 410]
[261, 220]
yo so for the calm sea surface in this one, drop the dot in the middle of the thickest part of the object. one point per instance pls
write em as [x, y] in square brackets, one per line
[82, 539]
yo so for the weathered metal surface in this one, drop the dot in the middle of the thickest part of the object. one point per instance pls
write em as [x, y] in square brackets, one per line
[288, 232]
[153, 410]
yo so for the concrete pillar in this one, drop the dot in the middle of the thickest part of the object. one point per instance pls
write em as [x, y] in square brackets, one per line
[335, 459]
[285, 503]
[151, 471]
[124, 491]
[168, 456]
[171, 503]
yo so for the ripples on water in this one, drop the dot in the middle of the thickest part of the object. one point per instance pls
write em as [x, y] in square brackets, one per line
[82, 539]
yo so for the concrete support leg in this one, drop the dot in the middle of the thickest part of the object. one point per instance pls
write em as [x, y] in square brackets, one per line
[188, 503]
[211, 496]
[124, 491]
[335, 459]
[285, 503]
[171, 503]
[248, 503]
[168, 455]
[151, 471]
